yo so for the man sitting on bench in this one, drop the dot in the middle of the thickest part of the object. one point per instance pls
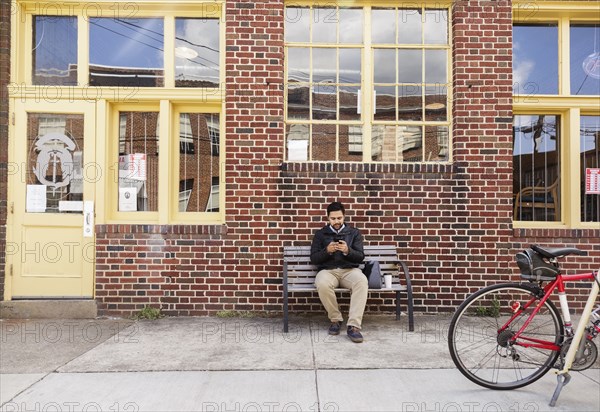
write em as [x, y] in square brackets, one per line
[337, 250]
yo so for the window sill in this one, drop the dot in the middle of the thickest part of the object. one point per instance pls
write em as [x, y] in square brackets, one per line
[557, 232]
[404, 168]
[176, 229]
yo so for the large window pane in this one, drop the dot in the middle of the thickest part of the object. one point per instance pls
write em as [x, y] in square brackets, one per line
[409, 26]
[298, 64]
[297, 137]
[383, 26]
[324, 105]
[436, 98]
[590, 158]
[54, 50]
[436, 143]
[198, 162]
[585, 59]
[196, 52]
[410, 104]
[350, 66]
[535, 59]
[323, 141]
[385, 103]
[126, 52]
[54, 163]
[324, 65]
[410, 143]
[138, 161]
[348, 98]
[298, 101]
[297, 20]
[384, 67]
[410, 66]
[435, 26]
[351, 141]
[536, 168]
[435, 66]
[351, 26]
[383, 143]
[324, 25]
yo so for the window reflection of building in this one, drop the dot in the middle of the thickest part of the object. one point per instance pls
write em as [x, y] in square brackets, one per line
[199, 170]
[536, 165]
[138, 157]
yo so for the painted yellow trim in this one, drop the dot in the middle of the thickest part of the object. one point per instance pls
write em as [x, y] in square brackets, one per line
[540, 11]
[102, 129]
[123, 9]
[570, 198]
[377, 3]
[169, 52]
[164, 136]
[83, 54]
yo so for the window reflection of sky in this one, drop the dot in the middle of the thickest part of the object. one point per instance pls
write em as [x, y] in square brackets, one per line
[202, 37]
[535, 59]
[55, 47]
[585, 40]
[127, 42]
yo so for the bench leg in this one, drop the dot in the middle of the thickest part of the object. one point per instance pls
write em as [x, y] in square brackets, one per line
[285, 312]
[398, 305]
[411, 320]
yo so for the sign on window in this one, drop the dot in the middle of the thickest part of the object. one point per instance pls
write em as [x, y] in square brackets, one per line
[592, 181]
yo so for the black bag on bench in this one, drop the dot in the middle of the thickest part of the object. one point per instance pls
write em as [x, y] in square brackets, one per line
[372, 271]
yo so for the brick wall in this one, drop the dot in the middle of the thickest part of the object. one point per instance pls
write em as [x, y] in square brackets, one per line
[452, 223]
[5, 12]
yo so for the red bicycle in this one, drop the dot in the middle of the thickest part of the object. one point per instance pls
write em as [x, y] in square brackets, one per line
[509, 335]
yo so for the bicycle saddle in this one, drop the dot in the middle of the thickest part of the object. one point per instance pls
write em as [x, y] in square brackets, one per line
[557, 251]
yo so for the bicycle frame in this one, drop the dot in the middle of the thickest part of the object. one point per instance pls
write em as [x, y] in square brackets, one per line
[558, 283]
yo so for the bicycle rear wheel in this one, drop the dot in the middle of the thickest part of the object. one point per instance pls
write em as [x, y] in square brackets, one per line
[483, 351]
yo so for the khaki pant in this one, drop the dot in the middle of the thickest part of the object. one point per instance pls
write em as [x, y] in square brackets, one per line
[329, 279]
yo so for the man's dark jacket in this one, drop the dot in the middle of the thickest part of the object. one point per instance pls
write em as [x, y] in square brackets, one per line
[323, 237]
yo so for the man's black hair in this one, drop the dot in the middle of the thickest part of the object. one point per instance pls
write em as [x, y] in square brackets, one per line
[334, 207]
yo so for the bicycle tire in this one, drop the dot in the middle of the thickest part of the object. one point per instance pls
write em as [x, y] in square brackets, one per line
[473, 348]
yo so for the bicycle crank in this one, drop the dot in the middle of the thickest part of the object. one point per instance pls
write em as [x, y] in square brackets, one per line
[587, 358]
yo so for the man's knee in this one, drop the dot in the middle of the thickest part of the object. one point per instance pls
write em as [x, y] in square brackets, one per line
[324, 280]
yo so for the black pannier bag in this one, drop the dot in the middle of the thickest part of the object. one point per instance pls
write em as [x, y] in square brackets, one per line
[534, 267]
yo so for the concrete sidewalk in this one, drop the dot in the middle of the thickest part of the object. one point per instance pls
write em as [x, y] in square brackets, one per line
[249, 364]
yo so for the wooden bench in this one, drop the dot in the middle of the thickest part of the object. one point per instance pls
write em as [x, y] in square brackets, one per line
[299, 276]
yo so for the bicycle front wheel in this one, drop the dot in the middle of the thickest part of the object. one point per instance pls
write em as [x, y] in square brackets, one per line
[481, 334]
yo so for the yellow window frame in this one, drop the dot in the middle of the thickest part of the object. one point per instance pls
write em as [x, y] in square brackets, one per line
[112, 99]
[367, 56]
[570, 108]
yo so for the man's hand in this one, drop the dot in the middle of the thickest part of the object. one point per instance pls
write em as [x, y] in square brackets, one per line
[332, 248]
[342, 247]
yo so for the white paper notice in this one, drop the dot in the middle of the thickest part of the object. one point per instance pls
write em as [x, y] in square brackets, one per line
[127, 199]
[36, 199]
[297, 150]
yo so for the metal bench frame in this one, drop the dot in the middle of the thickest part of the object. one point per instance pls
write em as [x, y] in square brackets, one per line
[299, 276]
